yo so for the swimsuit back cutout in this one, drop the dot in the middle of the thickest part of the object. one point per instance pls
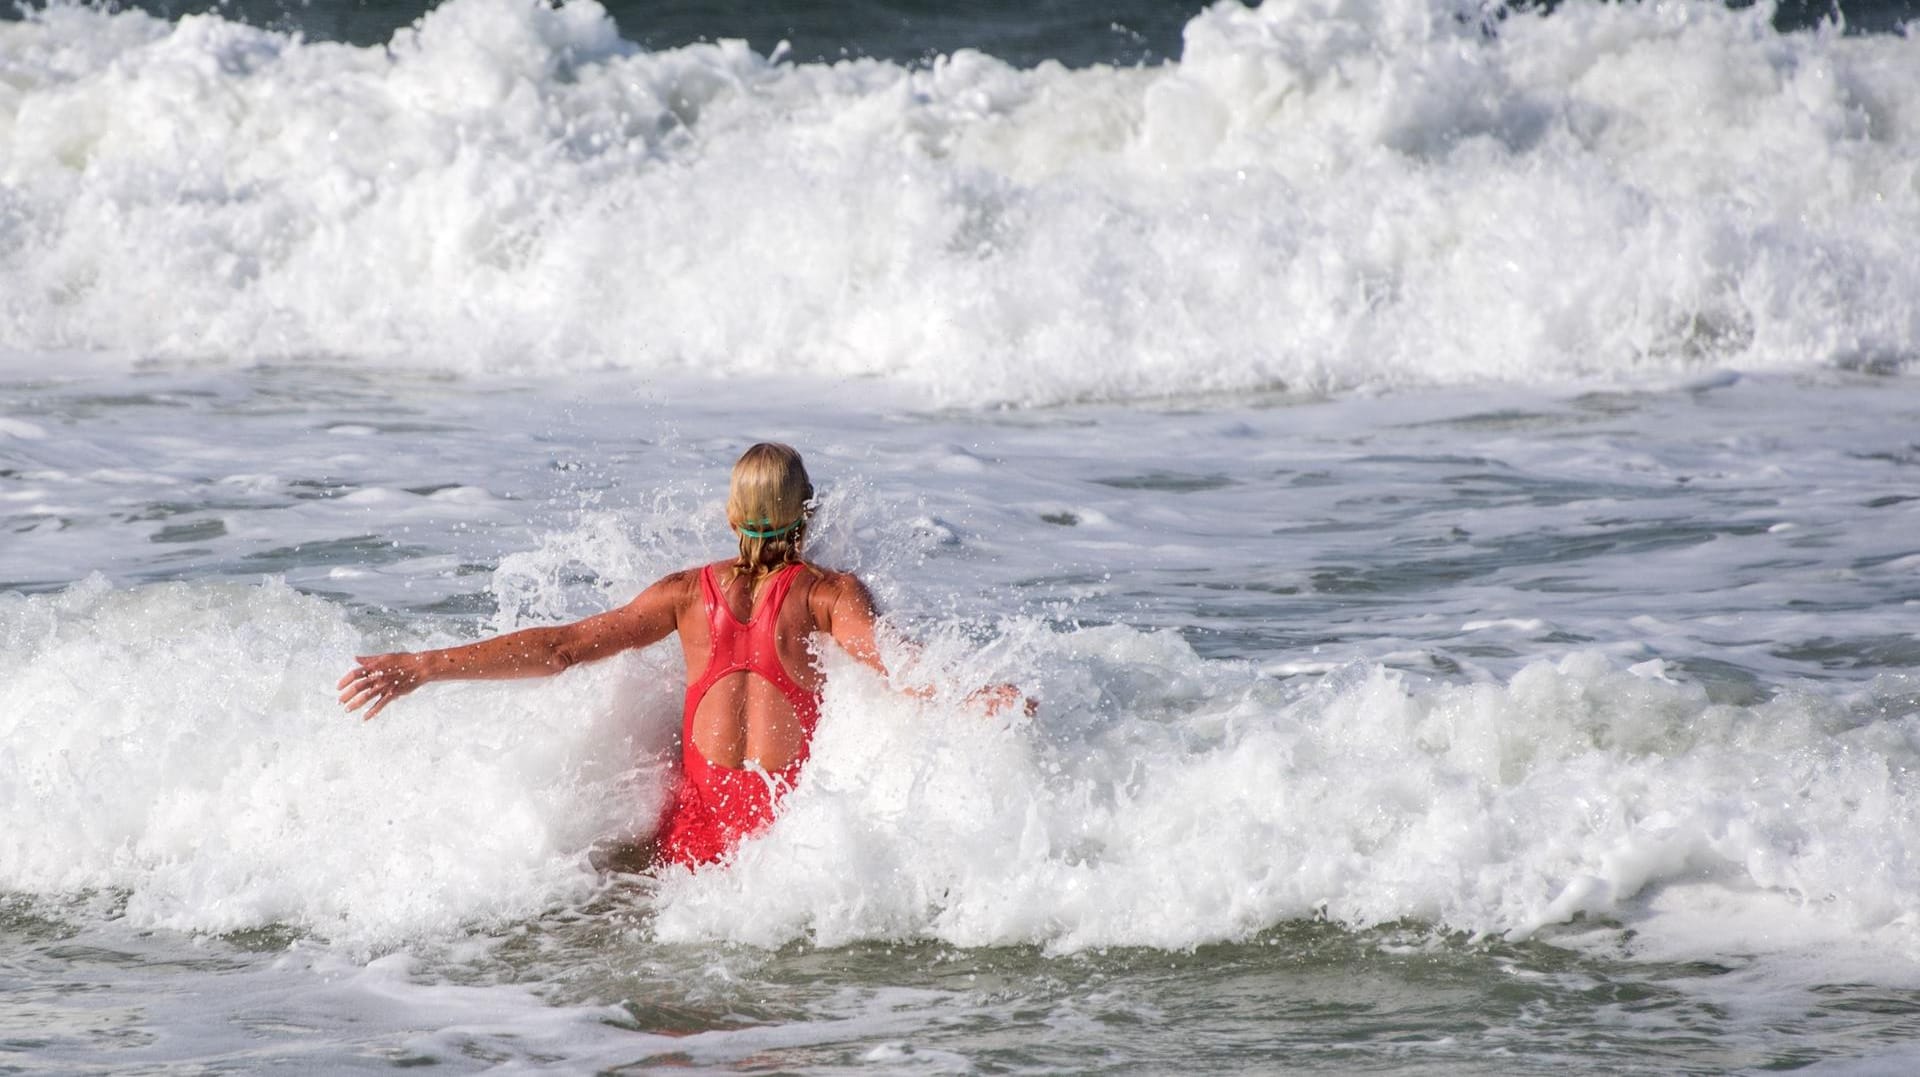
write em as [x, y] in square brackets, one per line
[751, 646]
[716, 806]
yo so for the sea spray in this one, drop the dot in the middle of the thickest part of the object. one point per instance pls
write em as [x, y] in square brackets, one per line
[1218, 803]
[1317, 195]
[181, 744]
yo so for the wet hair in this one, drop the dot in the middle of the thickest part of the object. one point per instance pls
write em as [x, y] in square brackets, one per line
[767, 503]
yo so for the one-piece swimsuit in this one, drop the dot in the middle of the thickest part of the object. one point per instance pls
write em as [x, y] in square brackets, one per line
[714, 807]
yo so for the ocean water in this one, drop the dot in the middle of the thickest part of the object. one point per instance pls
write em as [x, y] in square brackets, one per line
[1446, 474]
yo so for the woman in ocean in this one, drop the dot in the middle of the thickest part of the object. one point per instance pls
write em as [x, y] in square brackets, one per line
[746, 628]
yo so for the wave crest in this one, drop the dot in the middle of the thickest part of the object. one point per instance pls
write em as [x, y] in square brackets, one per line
[1320, 195]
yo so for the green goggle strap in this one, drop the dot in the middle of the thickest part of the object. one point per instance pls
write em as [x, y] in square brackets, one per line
[747, 528]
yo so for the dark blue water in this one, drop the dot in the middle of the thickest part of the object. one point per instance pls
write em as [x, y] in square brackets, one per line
[1023, 32]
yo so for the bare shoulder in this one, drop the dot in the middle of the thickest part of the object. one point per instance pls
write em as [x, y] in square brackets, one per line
[674, 589]
[835, 582]
[831, 589]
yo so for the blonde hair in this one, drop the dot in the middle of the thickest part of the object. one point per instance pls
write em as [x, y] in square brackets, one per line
[767, 503]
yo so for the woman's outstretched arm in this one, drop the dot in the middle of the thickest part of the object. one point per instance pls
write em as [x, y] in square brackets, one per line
[851, 621]
[531, 652]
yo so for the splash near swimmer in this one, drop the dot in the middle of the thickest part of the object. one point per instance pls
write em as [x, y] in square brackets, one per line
[746, 628]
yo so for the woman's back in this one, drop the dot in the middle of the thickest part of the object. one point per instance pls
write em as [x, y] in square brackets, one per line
[752, 680]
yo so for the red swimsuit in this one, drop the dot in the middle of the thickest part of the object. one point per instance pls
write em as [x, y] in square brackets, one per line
[715, 807]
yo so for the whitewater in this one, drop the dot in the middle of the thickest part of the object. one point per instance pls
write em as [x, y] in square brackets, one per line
[1445, 473]
[1320, 196]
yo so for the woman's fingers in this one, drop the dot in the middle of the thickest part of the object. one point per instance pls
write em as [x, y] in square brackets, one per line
[354, 697]
[364, 666]
[377, 693]
[372, 680]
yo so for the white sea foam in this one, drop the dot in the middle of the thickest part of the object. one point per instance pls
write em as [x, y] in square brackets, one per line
[1165, 801]
[1320, 193]
[179, 743]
